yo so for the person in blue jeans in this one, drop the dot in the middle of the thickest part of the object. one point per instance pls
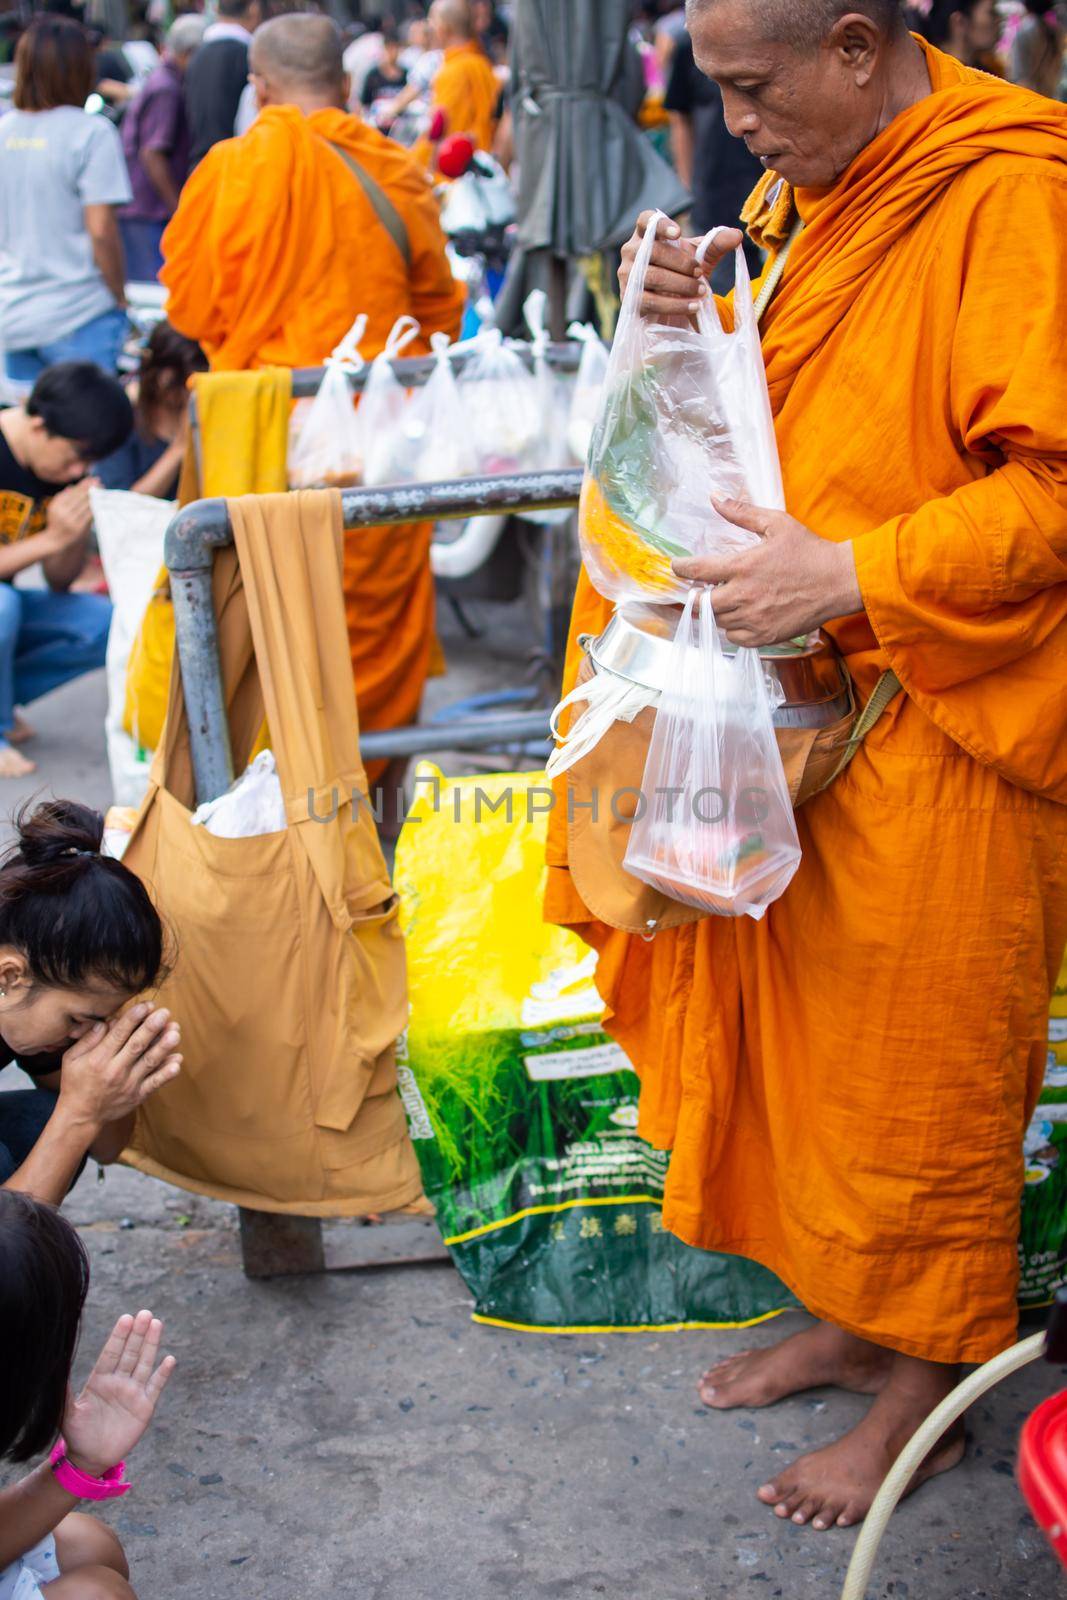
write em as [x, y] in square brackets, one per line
[75, 415]
[62, 181]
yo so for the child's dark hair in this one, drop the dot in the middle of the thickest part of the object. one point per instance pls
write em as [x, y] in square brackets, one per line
[168, 361]
[44, 1276]
[77, 916]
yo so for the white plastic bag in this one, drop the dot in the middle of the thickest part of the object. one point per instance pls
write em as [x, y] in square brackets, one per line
[129, 531]
[588, 390]
[384, 401]
[714, 826]
[252, 806]
[326, 447]
[434, 443]
[501, 405]
[685, 416]
[606, 698]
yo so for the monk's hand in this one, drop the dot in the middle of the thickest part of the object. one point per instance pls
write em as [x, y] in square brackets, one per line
[788, 584]
[676, 282]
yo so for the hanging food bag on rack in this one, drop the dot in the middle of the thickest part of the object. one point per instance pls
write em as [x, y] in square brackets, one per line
[713, 822]
[501, 405]
[326, 446]
[684, 416]
[433, 442]
[588, 390]
[383, 404]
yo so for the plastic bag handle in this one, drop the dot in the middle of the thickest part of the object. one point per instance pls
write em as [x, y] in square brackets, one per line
[346, 354]
[402, 332]
[744, 308]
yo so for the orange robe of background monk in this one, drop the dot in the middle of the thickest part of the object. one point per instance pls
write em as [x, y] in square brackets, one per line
[465, 88]
[845, 1085]
[274, 250]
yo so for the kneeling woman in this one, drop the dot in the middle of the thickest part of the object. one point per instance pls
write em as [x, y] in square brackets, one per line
[79, 939]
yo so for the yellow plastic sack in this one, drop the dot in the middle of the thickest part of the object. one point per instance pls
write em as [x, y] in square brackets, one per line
[522, 1111]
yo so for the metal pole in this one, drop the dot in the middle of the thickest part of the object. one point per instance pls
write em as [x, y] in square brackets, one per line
[564, 355]
[201, 528]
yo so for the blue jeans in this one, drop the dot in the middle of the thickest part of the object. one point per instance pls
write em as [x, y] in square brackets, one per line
[141, 240]
[46, 639]
[99, 340]
[23, 1114]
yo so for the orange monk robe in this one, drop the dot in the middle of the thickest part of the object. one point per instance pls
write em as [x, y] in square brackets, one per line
[465, 88]
[273, 251]
[845, 1085]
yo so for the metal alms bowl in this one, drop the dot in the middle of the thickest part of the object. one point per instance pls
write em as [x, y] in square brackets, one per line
[636, 645]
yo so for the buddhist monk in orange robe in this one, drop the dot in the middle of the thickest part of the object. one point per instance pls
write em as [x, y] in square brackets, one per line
[465, 86]
[845, 1085]
[274, 250]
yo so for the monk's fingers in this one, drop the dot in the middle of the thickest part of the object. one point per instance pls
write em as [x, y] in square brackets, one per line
[666, 230]
[717, 569]
[757, 519]
[724, 243]
[665, 282]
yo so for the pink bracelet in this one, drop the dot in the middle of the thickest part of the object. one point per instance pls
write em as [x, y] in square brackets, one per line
[69, 1477]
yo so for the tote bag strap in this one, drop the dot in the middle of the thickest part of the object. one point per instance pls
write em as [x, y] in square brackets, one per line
[777, 267]
[384, 209]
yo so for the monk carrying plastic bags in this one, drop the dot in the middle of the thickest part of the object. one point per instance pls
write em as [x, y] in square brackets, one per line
[685, 421]
[845, 1084]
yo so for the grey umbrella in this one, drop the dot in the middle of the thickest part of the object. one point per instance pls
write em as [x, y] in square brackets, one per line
[585, 170]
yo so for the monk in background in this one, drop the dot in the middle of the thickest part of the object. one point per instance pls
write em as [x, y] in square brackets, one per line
[845, 1085]
[465, 87]
[282, 237]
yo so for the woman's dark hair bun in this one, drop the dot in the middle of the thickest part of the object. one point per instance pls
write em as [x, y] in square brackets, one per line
[55, 830]
[78, 917]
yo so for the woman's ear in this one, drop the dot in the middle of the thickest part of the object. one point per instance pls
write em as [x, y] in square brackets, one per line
[14, 973]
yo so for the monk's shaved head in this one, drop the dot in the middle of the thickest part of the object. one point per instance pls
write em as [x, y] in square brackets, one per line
[804, 24]
[452, 19]
[302, 54]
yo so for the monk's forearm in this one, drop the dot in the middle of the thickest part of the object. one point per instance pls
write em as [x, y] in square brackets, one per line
[971, 582]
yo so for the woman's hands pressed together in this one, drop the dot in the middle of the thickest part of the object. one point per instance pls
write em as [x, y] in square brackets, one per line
[114, 1068]
[790, 583]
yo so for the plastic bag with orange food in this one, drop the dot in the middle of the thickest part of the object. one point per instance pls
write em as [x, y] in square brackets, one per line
[685, 416]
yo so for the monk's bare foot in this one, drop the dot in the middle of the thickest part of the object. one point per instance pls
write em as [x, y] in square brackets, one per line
[815, 1357]
[21, 732]
[14, 765]
[835, 1486]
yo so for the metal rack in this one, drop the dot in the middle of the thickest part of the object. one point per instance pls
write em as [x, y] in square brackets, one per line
[270, 1244]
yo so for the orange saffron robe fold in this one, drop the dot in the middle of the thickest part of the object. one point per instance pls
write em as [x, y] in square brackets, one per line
[465, 88]
[273, 252]
[845, 1085]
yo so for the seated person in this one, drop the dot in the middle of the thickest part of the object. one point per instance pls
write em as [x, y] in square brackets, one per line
[48, 1547]
[79, 939]
[150, 460]
[75, 415]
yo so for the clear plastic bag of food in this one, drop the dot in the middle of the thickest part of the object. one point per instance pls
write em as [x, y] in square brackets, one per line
[433, 444]
[383, 404]
[326, 441]
[502, 406]
[714, 825]
[588, 390]
[684, 416]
